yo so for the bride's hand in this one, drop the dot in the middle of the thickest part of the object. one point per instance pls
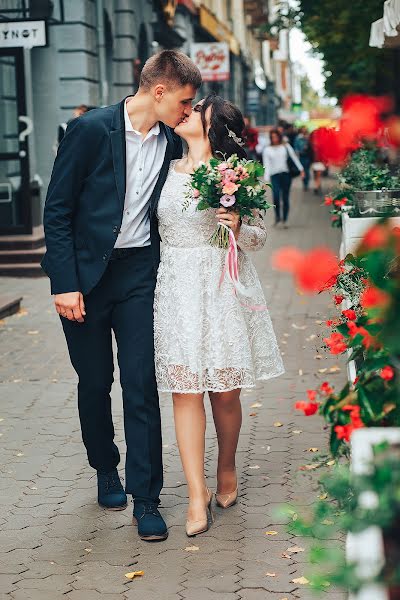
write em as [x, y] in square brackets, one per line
[231, 219]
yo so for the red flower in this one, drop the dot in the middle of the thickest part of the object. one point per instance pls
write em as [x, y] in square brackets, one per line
[326, 388]
[375, 237]
[349, 314]
[355, 330]
[329, 323]
[338, 299]
[387, 373]
[336, 343]
[343, 432]
[328, 201]
[287, 259]
[312, 269]
[356, 380]
[309, 408]
[334, 218]
[372, 297]
[340, 202]
[312, 395]
[319, 266]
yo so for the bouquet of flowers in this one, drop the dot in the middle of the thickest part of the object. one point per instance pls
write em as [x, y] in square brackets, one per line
[233, 183]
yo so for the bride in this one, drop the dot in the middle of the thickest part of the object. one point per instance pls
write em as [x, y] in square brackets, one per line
[207, 339]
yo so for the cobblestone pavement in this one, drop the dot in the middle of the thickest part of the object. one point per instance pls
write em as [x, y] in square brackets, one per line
[56, 543]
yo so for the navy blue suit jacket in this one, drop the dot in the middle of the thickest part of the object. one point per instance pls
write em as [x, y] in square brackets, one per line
[85, 200]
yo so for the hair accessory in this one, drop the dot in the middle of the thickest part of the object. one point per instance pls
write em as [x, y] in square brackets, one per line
[235, 138]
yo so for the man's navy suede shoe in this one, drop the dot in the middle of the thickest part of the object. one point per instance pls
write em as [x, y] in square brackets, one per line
[111, 494]
[151, 525]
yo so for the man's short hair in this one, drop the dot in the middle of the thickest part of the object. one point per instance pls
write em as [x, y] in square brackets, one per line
[170, 68]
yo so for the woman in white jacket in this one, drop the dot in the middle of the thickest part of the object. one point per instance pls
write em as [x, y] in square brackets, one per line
[275, 159]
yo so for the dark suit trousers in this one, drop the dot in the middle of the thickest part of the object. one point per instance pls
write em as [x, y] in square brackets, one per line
[123, 302]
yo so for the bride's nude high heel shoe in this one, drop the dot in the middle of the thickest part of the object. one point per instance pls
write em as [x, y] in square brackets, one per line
[227, 500]
[202, 525]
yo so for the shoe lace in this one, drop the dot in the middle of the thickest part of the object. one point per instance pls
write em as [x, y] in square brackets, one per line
[150, 509]
[112, 483]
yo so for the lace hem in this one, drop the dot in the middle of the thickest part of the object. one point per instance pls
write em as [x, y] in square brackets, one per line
[178, 379]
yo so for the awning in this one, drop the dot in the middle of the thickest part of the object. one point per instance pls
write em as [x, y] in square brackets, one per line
[385, 32]
[217, 29]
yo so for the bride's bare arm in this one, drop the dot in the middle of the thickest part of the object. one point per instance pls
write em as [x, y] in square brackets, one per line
[253, 233]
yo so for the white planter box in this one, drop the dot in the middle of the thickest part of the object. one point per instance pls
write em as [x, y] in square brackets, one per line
[353, 229]
[366, 548]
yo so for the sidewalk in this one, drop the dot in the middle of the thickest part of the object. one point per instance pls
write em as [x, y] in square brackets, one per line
[55, 542]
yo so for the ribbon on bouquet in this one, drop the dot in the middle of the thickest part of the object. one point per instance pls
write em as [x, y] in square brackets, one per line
[231, 270]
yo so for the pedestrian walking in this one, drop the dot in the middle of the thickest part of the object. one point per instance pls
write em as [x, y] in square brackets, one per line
[304, 151]
[250, 136]
[277, 159]
[78, 112]
[103, 251]
[317, 166]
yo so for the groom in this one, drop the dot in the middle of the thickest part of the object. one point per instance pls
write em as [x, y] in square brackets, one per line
[103, 251]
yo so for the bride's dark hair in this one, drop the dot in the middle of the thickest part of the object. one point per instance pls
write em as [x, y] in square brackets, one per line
[226, 127]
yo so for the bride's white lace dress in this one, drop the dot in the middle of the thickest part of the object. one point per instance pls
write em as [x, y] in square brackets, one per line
[204, 338]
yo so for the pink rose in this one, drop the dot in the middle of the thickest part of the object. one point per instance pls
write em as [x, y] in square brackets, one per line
[223, 166]
[196, 193]
[229, 188]
[227, 200]
[230, 175]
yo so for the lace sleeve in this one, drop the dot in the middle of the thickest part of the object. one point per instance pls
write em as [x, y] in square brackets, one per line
[253, 233]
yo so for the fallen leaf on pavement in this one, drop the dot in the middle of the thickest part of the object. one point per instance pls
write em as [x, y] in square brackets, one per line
[33, 332]
[300, 372]
[295, 549]
[286, 334]
[270, 574]
[297, 431]
[322, 370]
[334, 369]
[134, 574]
[252, 414]
[256, 405]
[309, 467]
[192, 548]
[327, 522]
[301, 581]
[323, 496]
[330, 463]
[271, 533]
[88, 549]
[254, 467]
[311, 450]
[278, 424]
[318, 357]
[299, 326]
[311, 337]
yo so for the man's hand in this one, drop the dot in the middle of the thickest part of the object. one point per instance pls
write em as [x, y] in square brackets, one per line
[70, 306]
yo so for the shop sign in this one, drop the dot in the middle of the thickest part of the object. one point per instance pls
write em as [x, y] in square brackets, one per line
[212, 59]
[22, 34]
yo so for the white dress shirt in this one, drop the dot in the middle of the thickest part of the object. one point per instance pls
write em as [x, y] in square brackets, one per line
[275, 159]
[144, 159]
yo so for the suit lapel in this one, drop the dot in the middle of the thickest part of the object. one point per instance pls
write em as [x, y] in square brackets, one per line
[164, 169]
[118, 146]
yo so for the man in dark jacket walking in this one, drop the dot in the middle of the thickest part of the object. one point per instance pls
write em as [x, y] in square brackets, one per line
[103, 251]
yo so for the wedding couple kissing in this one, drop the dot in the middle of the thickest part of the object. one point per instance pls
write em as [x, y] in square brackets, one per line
[118, 188]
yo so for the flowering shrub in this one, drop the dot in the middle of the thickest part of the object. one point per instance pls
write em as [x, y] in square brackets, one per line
[369, 329]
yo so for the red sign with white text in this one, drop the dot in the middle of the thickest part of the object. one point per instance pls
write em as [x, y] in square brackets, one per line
[212, 59]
